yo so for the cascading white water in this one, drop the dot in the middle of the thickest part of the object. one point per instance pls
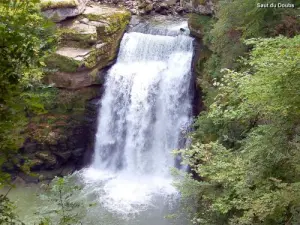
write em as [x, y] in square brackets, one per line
[143, 116]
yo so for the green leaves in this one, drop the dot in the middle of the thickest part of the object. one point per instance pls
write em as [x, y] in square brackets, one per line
[26, 37]
[246, 146]
[62, 203]
[7, 215]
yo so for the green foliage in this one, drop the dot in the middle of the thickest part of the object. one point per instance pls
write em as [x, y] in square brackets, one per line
[7, 215]
[62, 203]
[25, 39]
[242, 19]
[246, 146]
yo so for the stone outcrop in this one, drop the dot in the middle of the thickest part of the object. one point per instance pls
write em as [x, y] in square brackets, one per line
[88, 43]
[203, 7]
[58, 10]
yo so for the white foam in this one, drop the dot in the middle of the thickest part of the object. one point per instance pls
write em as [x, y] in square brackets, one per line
[127, 194]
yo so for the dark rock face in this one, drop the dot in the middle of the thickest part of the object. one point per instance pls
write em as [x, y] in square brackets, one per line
[201, 54]
[62, 142]
[197, 100]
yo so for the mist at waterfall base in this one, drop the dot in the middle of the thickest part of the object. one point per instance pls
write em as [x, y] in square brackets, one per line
[144, 114]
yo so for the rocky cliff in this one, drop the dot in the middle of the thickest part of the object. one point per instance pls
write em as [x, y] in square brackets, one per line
[88, 43]
[61, 140]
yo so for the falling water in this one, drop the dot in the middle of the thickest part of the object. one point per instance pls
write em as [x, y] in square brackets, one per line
[144, 115]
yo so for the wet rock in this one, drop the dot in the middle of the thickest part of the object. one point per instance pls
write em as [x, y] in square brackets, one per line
[179, 10]
[134, 21]
[36, 164]
[72, 135]
[48, 159]
[163, 5]
[149, 8]
[67, 170]
[78, 152]
[29, 147]
[63, 156]
[134, 11]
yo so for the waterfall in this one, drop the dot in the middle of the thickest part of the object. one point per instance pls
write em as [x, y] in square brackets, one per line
[144, 114]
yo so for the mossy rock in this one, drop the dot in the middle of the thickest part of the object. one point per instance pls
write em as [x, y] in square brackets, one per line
[55, 4]
[77, 33]
[73, 38]
[116, 19]
[62, 63]
[98, 57]
[88, 43]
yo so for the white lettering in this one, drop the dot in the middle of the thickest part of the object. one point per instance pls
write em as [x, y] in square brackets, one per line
[260, 5]
[285, 5]
[275, 5]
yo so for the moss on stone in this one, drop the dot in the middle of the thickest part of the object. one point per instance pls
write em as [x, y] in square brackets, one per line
[94, 73]
[117, 20]
[91, 60]
[62, 63]
[72, 38]
[55, 4]
[97, 57]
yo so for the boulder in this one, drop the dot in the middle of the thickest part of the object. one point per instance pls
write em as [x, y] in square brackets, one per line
[88, 44]
[135, 20]
[202, 7]
[48, 158]
[63, 156]
[149, 8]
[74, 68]
[36, 164]
[58, 10]
[171, 2]
[18, 181]
[179, 9]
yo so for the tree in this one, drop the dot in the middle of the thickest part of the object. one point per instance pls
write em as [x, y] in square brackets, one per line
[248, 160]
[63, 205]
[26, 37]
